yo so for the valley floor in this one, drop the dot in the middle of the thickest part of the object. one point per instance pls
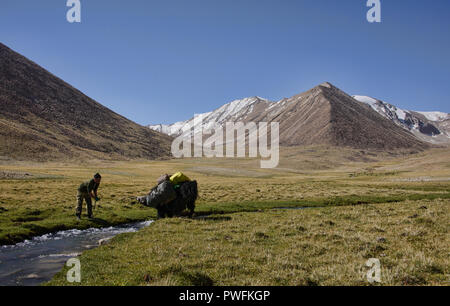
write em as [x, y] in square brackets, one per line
[394, 207]
[317, 246]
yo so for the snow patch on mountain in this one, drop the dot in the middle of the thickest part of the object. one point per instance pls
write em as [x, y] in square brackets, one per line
[229, 112]
[366, 99]
[435, 116]
[428, 126]
[385, 109]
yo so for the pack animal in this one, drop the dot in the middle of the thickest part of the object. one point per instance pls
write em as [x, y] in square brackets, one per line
[170, 201]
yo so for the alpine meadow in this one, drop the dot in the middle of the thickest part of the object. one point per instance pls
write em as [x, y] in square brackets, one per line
[300, 143]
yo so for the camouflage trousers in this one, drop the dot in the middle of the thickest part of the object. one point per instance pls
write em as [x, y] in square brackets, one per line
[88, 200]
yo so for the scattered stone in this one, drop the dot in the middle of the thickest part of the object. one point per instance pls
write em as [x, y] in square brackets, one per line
[104, 241]
[14, 175]
[32, 276]
[301, 229]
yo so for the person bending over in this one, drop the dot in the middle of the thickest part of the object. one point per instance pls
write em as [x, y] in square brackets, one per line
[87, 191]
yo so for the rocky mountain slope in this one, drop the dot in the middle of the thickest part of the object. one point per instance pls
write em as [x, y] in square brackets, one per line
[322, 115]
[44, 118]
[433, 127]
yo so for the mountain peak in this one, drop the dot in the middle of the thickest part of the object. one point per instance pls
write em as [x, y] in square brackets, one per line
[322, 115]
[327, 85]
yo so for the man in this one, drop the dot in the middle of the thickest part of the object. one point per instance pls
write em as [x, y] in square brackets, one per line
[86, 191]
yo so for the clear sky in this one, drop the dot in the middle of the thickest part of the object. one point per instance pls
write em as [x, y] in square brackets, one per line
[162, 61]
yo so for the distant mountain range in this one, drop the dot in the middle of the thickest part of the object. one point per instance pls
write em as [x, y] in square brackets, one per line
[433, 127]
[44, 118]
[327, 115]
[237, 110]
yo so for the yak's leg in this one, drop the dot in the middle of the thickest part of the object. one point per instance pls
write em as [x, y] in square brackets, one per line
[161, 213]
[191, 212]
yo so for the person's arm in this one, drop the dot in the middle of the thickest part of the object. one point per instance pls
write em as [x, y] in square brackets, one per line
[95, 190]
[91, 190]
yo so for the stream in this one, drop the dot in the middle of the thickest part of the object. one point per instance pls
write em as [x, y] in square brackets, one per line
[35, 261]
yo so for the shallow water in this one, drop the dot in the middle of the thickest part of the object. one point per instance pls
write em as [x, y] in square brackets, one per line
[35, 261]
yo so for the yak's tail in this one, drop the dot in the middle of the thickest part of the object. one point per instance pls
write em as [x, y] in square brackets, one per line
[189, 193]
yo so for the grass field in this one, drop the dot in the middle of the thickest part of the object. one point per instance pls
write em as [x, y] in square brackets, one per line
[236, 195]
[317, 246]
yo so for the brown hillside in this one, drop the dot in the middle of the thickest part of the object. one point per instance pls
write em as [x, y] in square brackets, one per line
[325, 115]
[44, 118]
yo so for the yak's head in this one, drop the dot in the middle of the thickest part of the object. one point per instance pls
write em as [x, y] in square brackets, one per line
[146, 201]
[142, 200]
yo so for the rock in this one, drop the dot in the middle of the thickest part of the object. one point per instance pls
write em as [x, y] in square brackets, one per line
[104, 241]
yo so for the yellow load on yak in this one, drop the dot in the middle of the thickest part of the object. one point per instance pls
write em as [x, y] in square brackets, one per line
[179, 178]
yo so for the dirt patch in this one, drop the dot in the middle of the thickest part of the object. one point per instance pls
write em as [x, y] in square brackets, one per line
[14, 175]
[229, 172]
[422, 179]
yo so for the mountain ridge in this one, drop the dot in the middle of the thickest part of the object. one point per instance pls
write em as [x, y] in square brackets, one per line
[324, 115]
[433, 127]
[44, 118]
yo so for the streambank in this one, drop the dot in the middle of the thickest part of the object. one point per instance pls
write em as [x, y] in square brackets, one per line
[37, 260]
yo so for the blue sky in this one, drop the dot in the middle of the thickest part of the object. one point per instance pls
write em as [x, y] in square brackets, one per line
[163, 61]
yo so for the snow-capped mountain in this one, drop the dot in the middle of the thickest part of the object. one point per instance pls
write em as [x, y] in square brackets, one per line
[321, 115]
[237, 110]
[327, 115]
[433, 127]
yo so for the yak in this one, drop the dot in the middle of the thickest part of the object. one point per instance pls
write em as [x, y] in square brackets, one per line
[172, 201]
